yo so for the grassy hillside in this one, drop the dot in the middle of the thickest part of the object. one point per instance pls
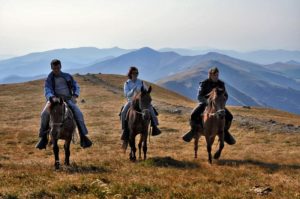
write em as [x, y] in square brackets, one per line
[266, 153]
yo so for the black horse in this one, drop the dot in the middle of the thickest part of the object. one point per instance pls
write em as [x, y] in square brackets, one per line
[62, 126]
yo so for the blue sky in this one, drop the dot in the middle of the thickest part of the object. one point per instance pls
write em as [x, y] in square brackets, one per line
[38, 25]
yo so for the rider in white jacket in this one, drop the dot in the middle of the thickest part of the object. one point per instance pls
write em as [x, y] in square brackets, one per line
[132, 85]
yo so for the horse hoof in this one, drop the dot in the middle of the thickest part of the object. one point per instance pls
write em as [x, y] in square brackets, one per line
[67, 163]
[217, 156]
[133, 159]
[56, 165]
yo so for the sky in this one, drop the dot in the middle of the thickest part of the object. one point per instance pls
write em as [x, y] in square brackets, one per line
[38, 25]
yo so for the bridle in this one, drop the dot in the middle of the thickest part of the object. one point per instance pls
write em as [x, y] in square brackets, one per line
[143, 111]
[218, 112]
[63, 117]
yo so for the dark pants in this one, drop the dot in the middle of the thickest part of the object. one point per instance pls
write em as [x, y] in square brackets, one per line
[196, 115]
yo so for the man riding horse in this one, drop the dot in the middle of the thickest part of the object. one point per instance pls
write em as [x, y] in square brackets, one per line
[132, 85]
[196, 117]
[61, 85]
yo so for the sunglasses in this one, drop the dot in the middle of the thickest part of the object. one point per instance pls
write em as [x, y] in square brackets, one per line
[135, 73]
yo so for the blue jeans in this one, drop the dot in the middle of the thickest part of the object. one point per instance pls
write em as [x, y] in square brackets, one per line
[78, 116]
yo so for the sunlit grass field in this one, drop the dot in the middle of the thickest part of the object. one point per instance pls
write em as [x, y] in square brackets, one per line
[261, 157]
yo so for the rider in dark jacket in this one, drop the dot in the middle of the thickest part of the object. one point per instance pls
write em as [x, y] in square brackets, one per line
[196, 117]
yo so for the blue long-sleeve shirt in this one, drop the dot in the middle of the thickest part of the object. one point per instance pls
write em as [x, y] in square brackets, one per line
[130, 87]
[49, 89]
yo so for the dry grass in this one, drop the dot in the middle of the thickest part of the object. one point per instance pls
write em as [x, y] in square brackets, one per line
[103, 171]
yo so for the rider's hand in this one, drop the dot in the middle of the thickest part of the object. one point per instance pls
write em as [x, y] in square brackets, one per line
[74, 99]
[54, 99]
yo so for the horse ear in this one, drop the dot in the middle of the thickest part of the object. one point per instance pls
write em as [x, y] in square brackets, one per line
[142, 88]
[149, 89]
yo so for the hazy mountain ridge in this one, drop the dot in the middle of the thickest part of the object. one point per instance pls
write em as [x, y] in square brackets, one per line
[248, 83]
[258, 56]
[38, 63]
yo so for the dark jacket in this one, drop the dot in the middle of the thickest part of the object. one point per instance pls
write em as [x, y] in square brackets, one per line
[206, 87]
[50, 85]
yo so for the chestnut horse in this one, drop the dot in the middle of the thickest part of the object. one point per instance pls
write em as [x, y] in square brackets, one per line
[213, 122]
[62, 126]
[138, 118]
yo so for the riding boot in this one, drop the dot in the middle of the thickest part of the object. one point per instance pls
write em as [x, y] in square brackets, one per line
[155, 130]
[228, 138]
[85, 142]
[42, 143]
[125, 135]
[191, 134]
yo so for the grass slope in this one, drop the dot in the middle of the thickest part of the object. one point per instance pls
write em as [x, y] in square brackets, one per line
[266, 153]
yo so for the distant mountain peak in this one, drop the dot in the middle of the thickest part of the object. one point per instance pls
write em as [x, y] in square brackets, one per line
[215, 54]
[147, 49]
[293, 62]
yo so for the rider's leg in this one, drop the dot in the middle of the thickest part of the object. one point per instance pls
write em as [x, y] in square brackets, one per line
[44, 127]
[228, 138]
[78, 116]
[125, 130]
[195, 122]
[154, 122]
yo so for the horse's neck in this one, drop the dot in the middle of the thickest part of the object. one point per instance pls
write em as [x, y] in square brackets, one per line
[210, 107]
[135, 104]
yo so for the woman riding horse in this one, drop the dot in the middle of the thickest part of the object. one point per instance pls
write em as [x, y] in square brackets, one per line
[132, 85]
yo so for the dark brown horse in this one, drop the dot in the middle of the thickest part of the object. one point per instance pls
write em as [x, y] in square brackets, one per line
[138, 118]
[213, 123]
[62, 126]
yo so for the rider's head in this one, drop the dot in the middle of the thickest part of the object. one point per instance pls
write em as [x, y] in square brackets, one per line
[55, 66]
[133, 73]
[213, 74]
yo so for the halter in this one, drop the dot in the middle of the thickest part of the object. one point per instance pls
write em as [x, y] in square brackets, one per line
[143, 111]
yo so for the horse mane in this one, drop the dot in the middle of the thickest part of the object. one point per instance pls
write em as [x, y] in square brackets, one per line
[135, 102]
[212, 96]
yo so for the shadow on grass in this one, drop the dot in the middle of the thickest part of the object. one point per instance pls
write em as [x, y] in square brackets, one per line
[74, 168]
[169, 162]
[265, 165]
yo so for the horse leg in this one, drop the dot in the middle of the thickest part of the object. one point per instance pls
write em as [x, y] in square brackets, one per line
[133, 148]
[67, 152]
[145, 146]
[196, 142]
[209, 142]
[221, 146]
[140, 147]
[56, 153]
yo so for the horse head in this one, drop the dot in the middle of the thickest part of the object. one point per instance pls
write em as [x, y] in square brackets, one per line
[145, 102]
[216, 101]
[57, 116]
[142, 102]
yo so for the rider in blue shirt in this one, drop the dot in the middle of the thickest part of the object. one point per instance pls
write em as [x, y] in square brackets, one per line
[61, 85]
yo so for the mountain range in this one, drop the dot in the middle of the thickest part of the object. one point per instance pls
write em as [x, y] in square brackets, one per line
[35, 64]
[248, 83]
[258, 56]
